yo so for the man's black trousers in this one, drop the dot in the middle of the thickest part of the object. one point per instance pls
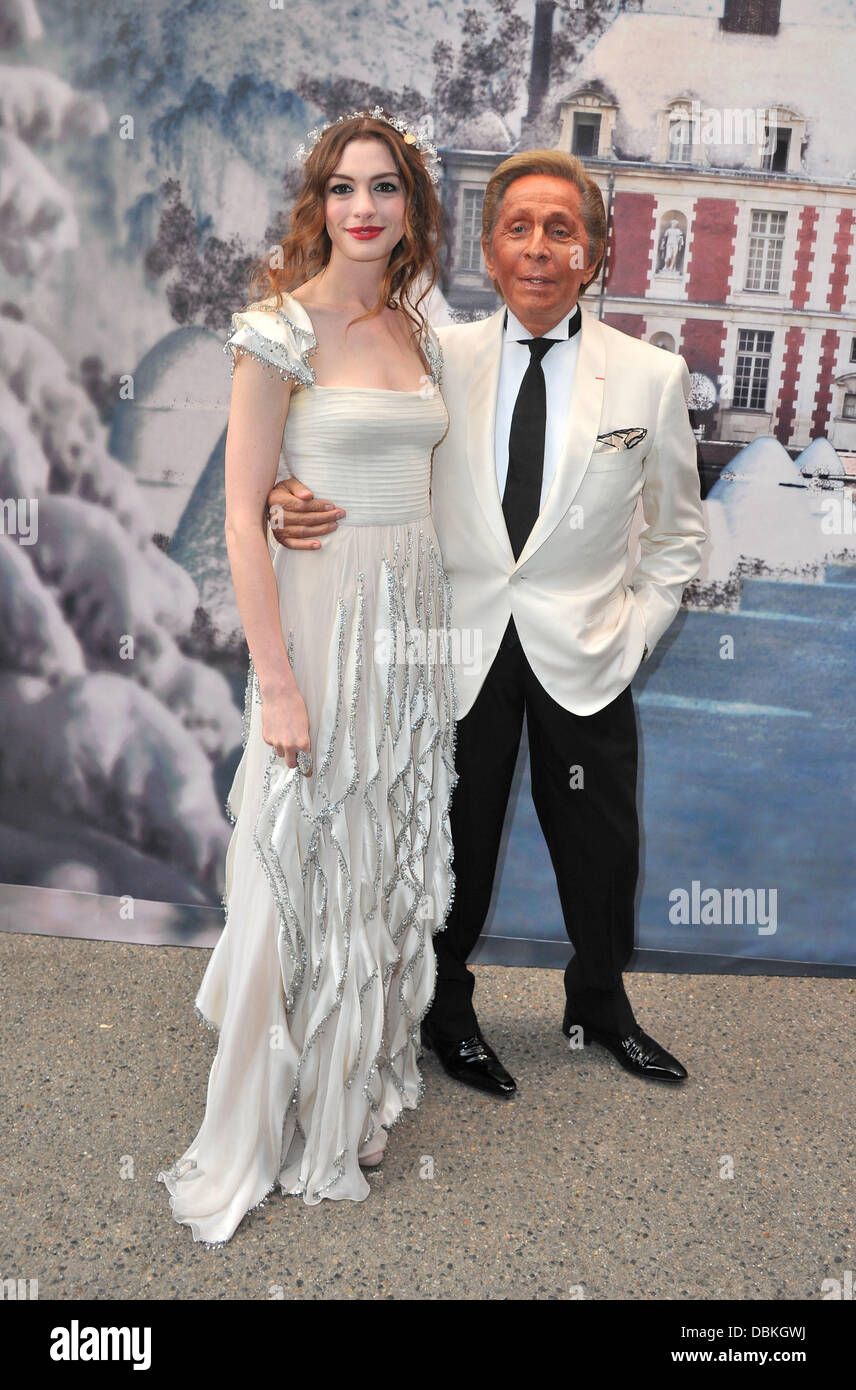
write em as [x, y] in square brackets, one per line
[583, 771]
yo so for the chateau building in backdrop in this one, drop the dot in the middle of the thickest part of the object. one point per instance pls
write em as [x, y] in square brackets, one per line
[720, 133]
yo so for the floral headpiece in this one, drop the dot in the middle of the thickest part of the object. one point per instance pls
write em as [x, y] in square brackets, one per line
[418, 137]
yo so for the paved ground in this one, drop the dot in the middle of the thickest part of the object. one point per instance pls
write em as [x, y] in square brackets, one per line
[589, 1177]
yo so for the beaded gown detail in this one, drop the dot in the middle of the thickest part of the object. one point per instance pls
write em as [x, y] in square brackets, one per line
[335, 883]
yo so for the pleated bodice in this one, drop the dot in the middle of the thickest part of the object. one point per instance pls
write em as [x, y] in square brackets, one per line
[368, 450]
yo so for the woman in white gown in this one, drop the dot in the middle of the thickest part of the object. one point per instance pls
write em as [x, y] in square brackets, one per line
[338, 871]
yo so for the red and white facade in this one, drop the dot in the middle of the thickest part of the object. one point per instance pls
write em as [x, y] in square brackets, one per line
[739, 253]
[782, 358]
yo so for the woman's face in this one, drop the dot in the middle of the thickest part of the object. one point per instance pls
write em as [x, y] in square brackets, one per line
[364, 202]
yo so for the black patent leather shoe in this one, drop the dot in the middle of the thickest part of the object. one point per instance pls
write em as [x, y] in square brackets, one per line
[636, 1051]
[472, 1061]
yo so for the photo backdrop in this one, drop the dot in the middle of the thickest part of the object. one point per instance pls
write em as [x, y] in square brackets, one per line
[146, 157]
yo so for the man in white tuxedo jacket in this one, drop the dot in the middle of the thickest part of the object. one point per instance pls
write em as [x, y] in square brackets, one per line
[558, 423]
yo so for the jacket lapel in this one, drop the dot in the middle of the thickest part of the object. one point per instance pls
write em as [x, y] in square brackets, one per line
[580, 433]
[481, 427]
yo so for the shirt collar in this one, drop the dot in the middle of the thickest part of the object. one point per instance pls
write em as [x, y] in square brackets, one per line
[514, 328]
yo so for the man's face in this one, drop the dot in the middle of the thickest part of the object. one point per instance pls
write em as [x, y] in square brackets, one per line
[539, 253]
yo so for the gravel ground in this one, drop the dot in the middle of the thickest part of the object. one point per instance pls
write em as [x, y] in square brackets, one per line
[590, 1181]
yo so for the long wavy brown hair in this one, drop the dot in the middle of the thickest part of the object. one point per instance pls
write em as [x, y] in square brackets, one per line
[306, 247]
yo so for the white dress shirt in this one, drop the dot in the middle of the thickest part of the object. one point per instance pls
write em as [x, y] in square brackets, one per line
[559, 366]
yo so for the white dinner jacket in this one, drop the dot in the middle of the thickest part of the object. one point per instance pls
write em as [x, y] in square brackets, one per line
[583, 630]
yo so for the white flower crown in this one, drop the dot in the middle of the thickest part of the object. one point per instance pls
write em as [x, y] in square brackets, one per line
[418, 137]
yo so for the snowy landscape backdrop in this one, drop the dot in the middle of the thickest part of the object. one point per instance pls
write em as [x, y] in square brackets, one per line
[145, 160]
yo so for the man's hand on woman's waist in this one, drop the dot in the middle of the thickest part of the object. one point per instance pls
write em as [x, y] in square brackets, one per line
[297, 517]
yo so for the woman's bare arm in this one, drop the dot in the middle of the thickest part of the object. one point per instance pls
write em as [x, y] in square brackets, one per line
[260, 401]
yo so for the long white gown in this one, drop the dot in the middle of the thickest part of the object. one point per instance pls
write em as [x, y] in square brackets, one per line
[335, 883]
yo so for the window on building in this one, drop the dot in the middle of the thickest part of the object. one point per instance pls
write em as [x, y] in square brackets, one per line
[777, 144]
[471, 221]
[766, 239]
[853, 349]
[586, 133]
[754, 346]
[849, 411]
[680, 138]
[751, 16]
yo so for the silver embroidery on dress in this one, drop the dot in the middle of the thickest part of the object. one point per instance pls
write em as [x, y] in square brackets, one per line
[415, 583]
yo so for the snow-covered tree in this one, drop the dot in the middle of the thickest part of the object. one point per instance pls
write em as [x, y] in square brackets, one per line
[487, 70]
[111, 730]
[577, 27]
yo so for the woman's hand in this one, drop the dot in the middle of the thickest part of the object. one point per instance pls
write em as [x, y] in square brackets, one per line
[285, 724]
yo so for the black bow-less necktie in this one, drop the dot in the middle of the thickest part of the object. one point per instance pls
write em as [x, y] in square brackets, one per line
[521, 499]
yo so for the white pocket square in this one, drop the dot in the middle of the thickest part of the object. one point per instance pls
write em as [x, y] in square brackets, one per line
[614, 440]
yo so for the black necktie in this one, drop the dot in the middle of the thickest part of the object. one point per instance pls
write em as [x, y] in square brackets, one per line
[521, 500]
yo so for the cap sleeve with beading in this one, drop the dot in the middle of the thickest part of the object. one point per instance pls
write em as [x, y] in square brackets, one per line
[281, 338]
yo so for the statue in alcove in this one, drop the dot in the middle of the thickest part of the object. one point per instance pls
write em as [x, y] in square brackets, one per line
[671, 257]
